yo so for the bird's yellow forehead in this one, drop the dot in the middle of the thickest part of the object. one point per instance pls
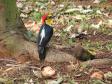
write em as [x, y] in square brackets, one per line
[49, 20]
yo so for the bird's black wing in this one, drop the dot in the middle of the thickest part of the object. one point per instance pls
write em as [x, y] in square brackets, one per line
[48, 34]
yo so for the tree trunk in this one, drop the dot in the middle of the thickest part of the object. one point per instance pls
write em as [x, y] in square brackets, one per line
[12, 42]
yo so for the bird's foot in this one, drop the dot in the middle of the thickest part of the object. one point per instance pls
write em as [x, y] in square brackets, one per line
[42, 63]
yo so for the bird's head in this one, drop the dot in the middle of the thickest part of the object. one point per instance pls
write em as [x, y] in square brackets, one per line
[48, 19]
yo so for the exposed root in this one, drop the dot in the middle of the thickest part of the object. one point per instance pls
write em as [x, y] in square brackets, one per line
[96, 62]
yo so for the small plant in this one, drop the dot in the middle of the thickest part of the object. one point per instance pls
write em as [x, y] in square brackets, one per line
[70, 41]
[109, 46]
[37, 16]
[102, 1]
[96, 81]
[71, 81]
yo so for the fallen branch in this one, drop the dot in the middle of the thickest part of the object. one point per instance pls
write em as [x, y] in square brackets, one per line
[26, 65]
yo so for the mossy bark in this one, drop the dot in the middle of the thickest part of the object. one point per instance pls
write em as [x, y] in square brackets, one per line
[11, 40]
[10, 13]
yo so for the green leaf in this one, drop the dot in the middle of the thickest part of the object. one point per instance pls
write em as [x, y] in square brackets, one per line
[40, 4]
[70, 41]
[96, 82]
[108, 74]
[72, 81]
[37, 16]
[102, 1]
[5, 81]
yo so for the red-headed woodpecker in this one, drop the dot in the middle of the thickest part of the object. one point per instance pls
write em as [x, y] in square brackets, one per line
[44, 36]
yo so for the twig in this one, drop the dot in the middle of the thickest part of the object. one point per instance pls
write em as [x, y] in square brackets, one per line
[9, 60]
[23, 66]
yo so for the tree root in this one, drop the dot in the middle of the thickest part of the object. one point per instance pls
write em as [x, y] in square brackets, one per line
[16, 46]
[97, 62]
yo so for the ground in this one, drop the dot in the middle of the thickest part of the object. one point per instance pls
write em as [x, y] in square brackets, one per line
[97, 41]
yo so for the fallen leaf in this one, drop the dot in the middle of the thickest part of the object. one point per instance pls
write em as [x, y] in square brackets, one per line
[58, 81]
[47, 72]
[108, 74]
[72, 67]
[98, 75]
[96, 1]
[37, 73]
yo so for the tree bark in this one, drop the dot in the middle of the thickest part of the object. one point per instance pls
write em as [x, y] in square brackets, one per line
[12, 42]
[98, 62]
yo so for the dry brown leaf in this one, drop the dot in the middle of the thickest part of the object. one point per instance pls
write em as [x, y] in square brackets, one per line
[72, 67]
[98, 75]
[48, 72]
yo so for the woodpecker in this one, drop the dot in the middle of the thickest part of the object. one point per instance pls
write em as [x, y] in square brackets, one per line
[44, 36]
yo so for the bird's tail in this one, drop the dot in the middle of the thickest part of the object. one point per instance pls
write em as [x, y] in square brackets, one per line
[42, 53]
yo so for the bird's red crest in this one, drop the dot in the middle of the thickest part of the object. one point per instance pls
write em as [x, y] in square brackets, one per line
[44, 17]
